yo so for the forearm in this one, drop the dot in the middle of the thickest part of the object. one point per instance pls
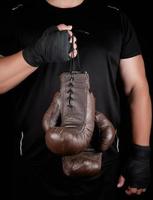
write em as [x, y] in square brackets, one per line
[14, 81]
[141, 115]
[13, 70]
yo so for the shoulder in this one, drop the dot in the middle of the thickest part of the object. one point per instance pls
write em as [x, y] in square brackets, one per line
[117, 12]
[24, 16]
[105, 8]
[113, 11]
[24, 12]
[19, 10]
[107, 13]
[114, 14]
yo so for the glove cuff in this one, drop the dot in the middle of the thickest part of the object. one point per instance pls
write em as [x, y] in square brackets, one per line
[30, 57]
[33, 54]
[142, 152]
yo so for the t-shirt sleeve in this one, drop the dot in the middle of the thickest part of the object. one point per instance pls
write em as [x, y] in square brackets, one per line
[130, 44]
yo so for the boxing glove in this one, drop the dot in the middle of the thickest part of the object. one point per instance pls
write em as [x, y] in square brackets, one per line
[89, 162]
[52, 46]
[106, 130]
[85, 164]
[76, 107]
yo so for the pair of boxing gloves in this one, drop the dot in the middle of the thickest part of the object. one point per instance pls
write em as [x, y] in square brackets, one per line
[54, 46]
[73, 138]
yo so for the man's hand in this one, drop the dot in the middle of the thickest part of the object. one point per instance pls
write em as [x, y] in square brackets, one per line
[15, 68]
[63, 27]
[129, 190]
[136, 173]
[54, 45]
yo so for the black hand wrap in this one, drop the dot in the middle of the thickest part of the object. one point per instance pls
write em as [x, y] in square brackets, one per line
[137, 170]
[52, 46]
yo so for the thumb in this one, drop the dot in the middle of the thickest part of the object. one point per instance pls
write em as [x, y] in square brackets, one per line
[63, 27]
[121, 182]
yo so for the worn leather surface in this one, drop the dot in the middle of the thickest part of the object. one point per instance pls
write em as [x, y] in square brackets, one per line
[89, 162]
[86, 163]
[107, 131]
[73, 139]
[76, 107]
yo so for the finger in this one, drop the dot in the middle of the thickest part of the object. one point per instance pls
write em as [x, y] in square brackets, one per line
[139, 191]
[74, 46]
[128, 192]
[62, 27]
[121, 182]
[144, 190]
[131, 191]
[73, 54]
[70, 33]
[74, 39]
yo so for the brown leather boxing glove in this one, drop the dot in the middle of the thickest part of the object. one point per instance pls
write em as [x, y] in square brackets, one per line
[89, 162]
[76, 107]
[86, 163]
[106, 130]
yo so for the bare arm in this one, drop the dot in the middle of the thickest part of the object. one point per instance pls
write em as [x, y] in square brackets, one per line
[136, 88]
[13, 70]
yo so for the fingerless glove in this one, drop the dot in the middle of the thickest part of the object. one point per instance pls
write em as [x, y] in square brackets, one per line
[137, 170]
[52, 46]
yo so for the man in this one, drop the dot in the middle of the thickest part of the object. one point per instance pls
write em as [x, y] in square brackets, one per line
[108, 48]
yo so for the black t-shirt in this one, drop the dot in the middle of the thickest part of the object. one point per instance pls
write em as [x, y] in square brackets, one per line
[106, 37]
